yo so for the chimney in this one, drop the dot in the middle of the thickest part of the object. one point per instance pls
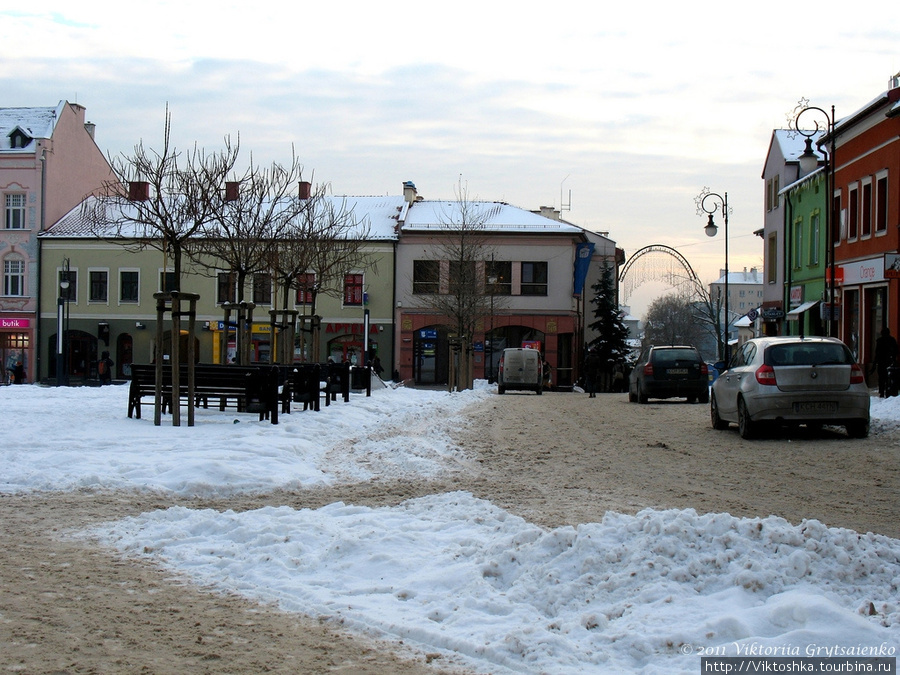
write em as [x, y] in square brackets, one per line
[90, 127]
[231, 190]
[138, 191]
[305, 189]
[409, 191]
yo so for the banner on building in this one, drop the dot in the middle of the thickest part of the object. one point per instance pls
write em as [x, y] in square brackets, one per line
[583, 254]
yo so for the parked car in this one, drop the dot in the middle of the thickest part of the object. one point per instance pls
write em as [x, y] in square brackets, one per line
[520, 369]
[669, 372]
[791, 380]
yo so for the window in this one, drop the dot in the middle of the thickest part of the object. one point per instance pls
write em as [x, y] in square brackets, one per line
[797, 244]
[262, 289]
[426, 277]
[814, 239]
[70, 293]
[534, 278]
[129, 286]
[837, 218]
[853, 213]
[353, 289]
[772, 259]
[498, 277]
[15, 211]
[773, 186]
[306, 288]
[881, 194]
[167, 281]
[98, 288]
[865, 211]
[225, 290]
[13, 277]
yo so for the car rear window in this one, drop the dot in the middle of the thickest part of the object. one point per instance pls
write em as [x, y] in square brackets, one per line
[664, 356]
[806, 354]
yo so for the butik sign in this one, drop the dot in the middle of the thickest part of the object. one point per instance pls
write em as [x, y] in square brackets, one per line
[15, 323]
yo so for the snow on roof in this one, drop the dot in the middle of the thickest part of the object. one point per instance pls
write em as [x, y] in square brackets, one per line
[378, 216]
[436, 215]
[36, 122]
[793, 144]
[753, 276]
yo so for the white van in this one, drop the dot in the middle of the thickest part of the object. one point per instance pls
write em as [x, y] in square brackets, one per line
[520, 369]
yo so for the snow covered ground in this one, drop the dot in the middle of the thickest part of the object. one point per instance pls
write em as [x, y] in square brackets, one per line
[633, 593]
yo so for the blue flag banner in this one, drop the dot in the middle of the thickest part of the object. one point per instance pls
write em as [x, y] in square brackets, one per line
[583, 254]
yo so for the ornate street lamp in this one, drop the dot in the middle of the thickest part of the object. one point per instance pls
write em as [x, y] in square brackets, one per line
[717, 202]
[62, 326]
[808, 163]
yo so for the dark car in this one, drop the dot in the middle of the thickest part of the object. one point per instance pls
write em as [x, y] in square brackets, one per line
[669, 372]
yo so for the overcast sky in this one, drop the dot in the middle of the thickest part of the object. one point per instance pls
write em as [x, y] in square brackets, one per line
[632, 108]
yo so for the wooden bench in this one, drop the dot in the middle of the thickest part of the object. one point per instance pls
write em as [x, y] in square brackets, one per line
[252, 389]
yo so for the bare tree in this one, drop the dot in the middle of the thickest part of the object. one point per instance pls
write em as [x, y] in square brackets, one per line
[161, 198]
[321, 242]
[466, 249]
[671, 320]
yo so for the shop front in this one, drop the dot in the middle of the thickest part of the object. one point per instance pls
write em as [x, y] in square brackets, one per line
[425, 350]
[864, 301]
[16, 351]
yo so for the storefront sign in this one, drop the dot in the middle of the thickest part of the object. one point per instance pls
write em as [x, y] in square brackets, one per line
[15, 323]
[772, 314]
[352, 328]
[863, 272]
[796, 295]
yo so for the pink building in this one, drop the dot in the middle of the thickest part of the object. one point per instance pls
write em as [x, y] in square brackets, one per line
[48, 163]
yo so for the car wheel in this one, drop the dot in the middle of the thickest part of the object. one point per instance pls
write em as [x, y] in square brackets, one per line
[746, 426]
[641, 397]
[691, 399]
[704, 396]
[717, 422]
[858, 429]
[501, 390]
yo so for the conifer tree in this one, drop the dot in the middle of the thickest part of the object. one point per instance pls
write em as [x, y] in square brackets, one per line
[612, 333]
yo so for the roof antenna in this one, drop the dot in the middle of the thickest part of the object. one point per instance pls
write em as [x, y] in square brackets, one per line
[564, 206]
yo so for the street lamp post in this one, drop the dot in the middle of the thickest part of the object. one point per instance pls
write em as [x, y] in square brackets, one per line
[808, 163]
[718, 202]
[62, 326]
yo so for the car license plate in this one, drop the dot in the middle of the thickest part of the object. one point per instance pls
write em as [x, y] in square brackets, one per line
[815, 407]
[677, 371]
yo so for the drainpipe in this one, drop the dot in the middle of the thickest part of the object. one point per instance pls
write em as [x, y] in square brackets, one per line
[40, 243]
[788, 263]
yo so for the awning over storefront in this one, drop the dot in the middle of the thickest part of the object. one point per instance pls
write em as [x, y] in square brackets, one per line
[795, 313]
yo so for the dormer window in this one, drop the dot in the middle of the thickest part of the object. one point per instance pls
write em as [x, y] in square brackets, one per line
[19, 139]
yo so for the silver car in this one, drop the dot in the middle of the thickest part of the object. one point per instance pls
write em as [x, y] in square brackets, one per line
[791, 380]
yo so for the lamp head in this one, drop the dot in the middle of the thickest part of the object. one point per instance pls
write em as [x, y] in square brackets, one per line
[711, 229]
[808, 160]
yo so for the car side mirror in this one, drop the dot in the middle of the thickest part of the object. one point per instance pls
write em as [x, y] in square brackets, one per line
[719, 365]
